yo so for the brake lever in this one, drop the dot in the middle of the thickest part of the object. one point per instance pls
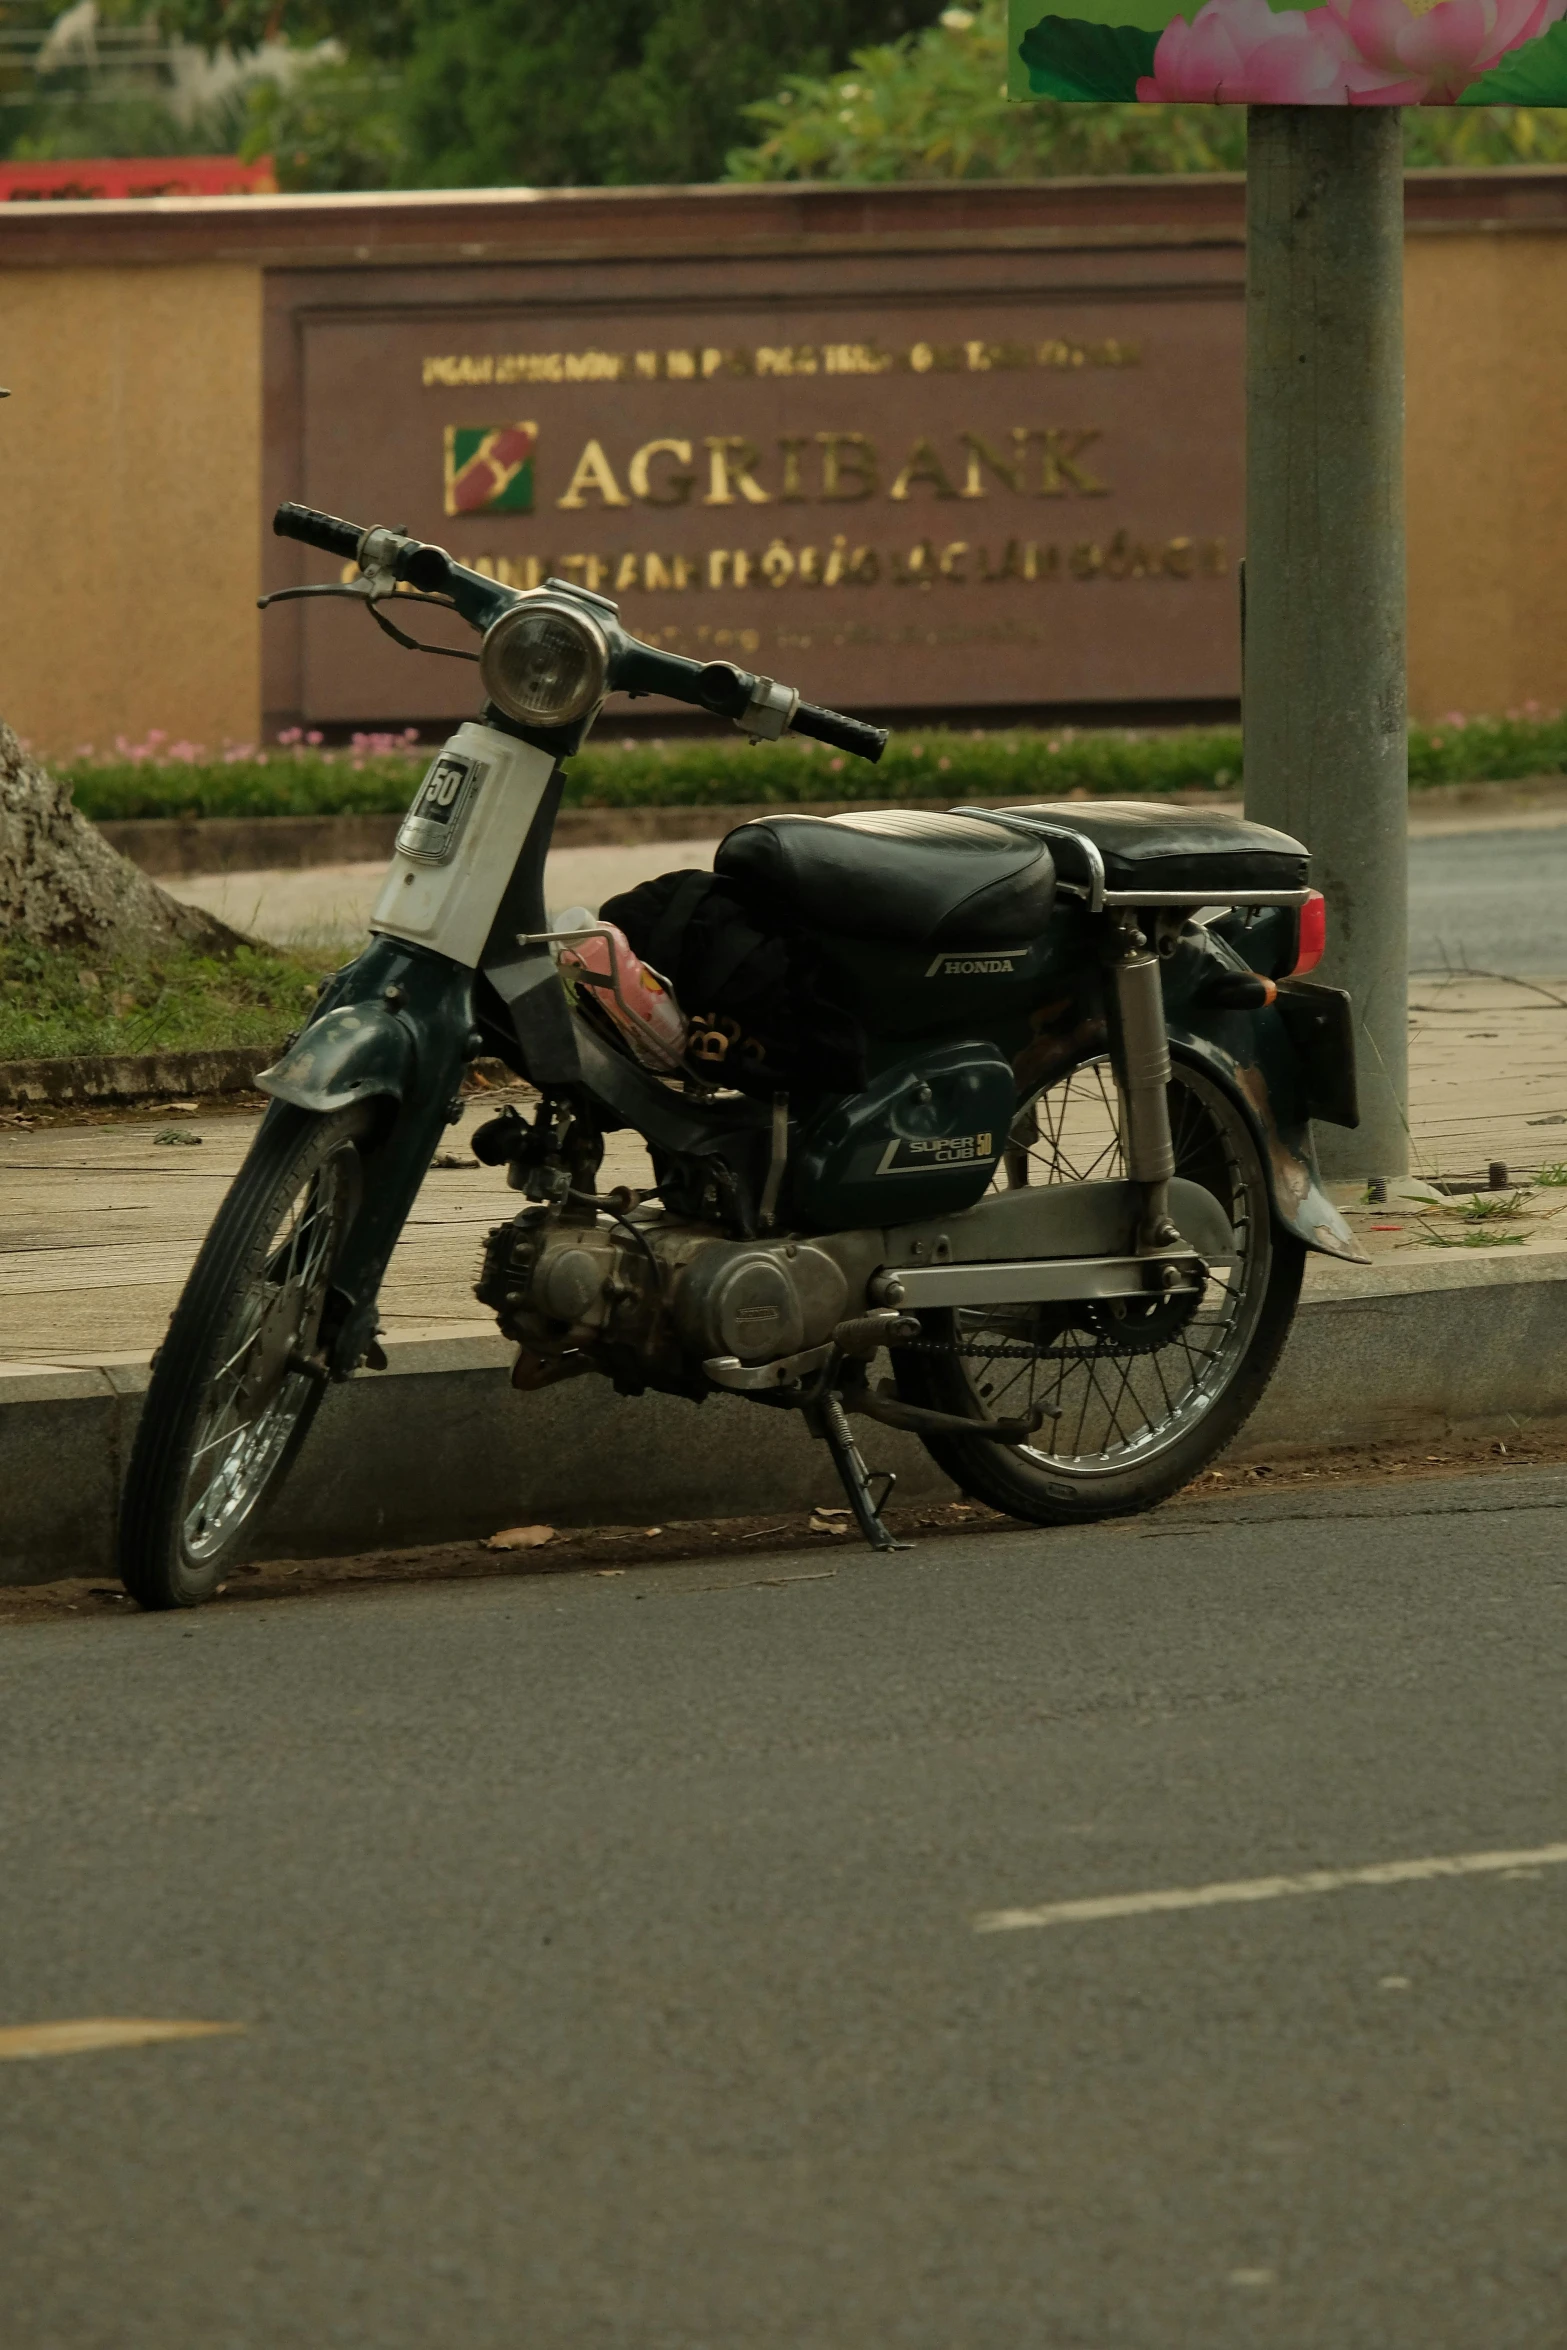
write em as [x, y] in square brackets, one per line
[372, 589]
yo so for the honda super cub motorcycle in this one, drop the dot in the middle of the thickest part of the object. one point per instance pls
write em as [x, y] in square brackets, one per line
[1055, 1168]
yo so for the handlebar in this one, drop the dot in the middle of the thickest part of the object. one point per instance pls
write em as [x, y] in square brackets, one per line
[343, 539]
[640, 668]
[844, 734]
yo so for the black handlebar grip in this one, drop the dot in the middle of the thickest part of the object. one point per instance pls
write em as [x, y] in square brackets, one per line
[845, 734]
[318, 530]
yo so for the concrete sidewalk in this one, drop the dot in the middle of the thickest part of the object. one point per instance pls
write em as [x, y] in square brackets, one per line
[1459, 1323]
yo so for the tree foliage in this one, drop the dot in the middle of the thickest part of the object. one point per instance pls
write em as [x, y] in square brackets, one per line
[496, 92]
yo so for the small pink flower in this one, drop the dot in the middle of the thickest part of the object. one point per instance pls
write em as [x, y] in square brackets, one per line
[291, 734]
[835, 766]
[313, 737]
[943, 764]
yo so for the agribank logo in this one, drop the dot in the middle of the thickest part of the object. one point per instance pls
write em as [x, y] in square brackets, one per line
[489, 468]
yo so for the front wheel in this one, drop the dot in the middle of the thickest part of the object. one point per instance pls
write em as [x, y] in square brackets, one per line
[237, 1381]
[1140, 1396]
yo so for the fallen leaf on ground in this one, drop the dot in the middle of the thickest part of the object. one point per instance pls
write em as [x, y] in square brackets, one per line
[521, 1538]
[829, 1522]
[174, 1135]
[652, 1529]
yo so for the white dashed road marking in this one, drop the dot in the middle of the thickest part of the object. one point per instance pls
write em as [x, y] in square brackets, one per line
[1384, 1872]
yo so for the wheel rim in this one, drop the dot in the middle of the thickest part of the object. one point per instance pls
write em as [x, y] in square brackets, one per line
[256, 1398]
[1124, 1390]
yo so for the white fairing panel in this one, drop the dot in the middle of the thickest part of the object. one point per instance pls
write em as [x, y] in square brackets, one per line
[460, 840]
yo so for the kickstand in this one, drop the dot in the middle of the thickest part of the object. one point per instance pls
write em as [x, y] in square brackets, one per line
[836, 1434]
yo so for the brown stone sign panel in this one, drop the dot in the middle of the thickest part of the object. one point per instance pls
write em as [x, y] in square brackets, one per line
[957, 497]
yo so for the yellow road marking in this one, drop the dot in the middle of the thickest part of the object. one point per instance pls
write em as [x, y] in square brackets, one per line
[1384, 1872]
[98, 2031]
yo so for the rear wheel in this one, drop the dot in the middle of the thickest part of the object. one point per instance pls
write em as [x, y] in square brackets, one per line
[1141, 1396]
[236, 1383]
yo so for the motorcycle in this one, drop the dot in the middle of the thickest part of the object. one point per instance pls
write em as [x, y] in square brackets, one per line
[1065, 1199]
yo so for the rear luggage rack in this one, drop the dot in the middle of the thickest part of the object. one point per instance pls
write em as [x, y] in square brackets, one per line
[1094, 887]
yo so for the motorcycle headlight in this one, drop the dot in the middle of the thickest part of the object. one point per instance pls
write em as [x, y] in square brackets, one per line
[544, 663]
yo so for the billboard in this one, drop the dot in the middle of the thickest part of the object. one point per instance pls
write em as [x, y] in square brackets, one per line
[1244, 52]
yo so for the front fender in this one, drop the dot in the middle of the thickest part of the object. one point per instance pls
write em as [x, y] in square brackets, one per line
[345, 1056]
[395, 1022]
[1251, 1055]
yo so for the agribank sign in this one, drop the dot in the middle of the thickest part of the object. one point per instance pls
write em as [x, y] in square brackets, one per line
[1010, 481]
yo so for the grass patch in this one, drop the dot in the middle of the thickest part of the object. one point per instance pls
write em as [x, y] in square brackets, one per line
[375, 774]
[61, 1001]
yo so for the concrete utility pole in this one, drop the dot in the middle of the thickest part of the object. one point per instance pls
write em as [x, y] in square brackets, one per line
[1326, 747]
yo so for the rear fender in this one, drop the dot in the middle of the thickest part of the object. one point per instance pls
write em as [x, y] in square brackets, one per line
[1251, 1056]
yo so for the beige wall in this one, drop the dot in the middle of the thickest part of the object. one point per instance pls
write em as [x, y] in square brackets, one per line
[1487, 471]
[130, 490]
[130, 483]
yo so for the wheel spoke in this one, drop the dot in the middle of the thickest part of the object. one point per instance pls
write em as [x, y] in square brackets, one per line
[1126, 1385]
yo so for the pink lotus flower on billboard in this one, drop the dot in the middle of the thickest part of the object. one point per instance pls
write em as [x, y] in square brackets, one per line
[1432, 54]
[1350, 52]
[1239, 53]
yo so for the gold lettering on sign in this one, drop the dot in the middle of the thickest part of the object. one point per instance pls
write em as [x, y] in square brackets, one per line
[1059, 469]
[958, 563]
[848, 467]
[594, 472]
[677, 486]
[731, 459]
[974, 355]
[789, 446]
[923, 465]
[980, 452]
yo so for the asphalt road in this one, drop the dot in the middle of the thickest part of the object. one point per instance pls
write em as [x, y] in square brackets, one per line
[1496, 901]
[606, 1949]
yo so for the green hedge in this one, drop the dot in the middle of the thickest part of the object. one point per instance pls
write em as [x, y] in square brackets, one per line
[375, 775]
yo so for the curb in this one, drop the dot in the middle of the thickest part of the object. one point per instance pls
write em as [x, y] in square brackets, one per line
[440, 1448]
[130, 1077]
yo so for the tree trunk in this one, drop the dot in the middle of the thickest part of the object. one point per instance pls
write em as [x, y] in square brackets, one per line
[62, 885]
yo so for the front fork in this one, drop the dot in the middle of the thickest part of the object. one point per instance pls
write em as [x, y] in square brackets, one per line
[1140, 1058]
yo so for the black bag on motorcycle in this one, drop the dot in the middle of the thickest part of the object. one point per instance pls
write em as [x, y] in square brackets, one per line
[764, 1017]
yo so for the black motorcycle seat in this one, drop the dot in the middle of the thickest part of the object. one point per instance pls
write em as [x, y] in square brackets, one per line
[900, 874]
[1160, 849]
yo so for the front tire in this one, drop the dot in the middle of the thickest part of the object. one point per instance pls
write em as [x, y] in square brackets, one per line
[1142, 1397]
[235, 1384]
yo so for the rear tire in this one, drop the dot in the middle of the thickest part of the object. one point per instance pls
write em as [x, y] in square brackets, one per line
[229, 1406]
[1145, 1397]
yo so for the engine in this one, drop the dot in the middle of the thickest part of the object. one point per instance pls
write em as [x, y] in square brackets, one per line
[650, 1301]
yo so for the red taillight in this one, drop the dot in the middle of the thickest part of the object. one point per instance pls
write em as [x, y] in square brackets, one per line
[1313, 935]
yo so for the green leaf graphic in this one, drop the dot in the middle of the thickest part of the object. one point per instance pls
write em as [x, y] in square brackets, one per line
[1535, 75]
[1067, 58]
